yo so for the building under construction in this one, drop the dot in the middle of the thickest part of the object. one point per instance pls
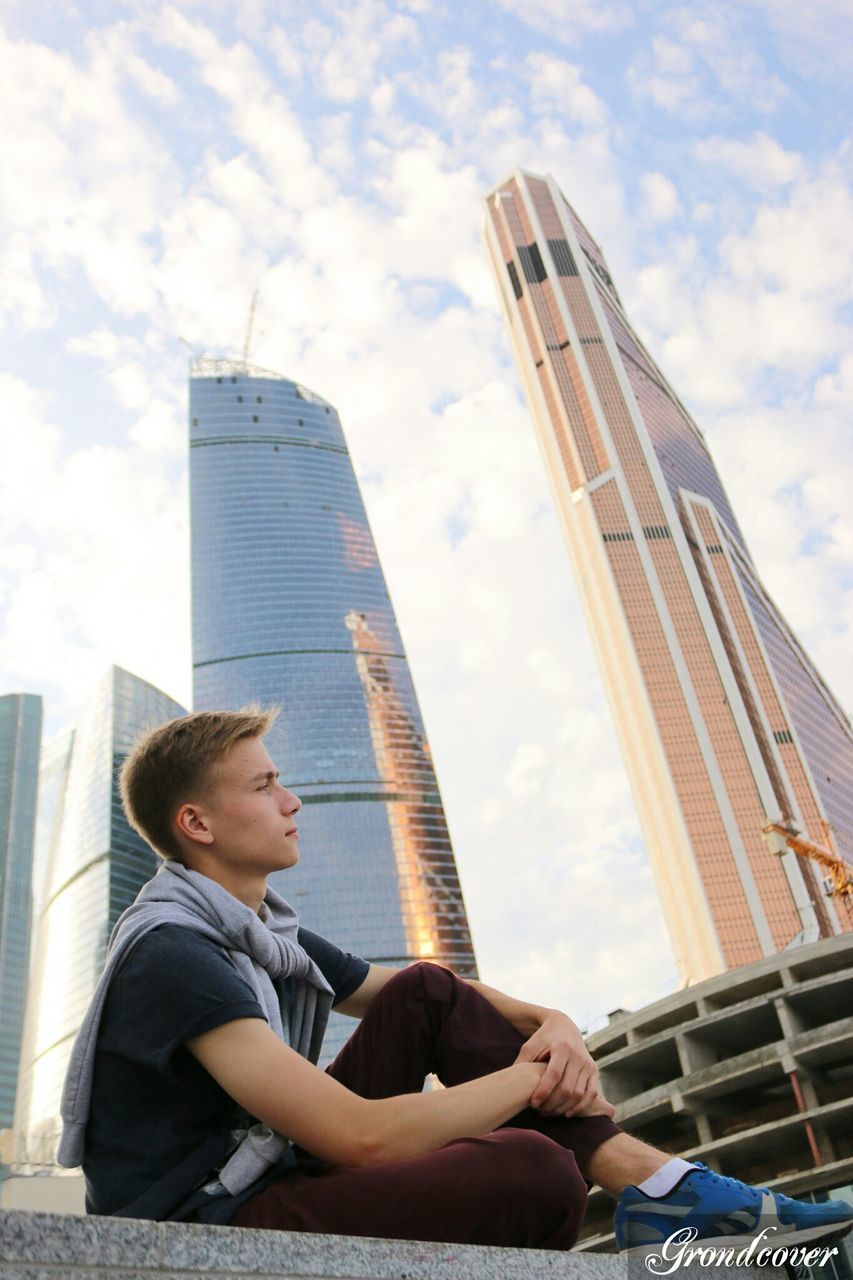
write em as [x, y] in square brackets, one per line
[750, 1072]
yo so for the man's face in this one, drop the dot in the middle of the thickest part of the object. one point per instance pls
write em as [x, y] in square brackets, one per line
[251, 815]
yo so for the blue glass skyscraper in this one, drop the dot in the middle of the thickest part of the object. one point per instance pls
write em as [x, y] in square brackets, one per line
[20, 743]
[290, 606]
[96, 865]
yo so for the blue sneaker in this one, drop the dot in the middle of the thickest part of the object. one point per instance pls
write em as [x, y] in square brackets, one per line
[708, 1206]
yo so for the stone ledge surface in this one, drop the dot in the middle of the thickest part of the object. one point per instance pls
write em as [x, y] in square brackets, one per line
[69, 1239]
[47, 1246]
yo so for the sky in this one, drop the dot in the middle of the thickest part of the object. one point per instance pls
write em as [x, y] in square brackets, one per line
[161, 162]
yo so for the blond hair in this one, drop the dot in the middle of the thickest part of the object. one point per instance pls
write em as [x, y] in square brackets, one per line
[167, 765]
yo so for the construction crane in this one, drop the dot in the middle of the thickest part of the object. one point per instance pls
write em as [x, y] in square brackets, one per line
[783, 835]
[247, 344]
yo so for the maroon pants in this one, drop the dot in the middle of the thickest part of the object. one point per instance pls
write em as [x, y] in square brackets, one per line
[520, 1185]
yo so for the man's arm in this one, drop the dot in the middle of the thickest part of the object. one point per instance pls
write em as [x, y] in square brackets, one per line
[569, 1086]
[357, 1004]
[274, 1084]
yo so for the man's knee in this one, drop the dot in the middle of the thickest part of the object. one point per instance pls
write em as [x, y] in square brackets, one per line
[423, 975]
[539, 1162]
[543, 1185]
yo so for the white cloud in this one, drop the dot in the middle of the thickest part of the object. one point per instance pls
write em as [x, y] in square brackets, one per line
[251, 18]
[142, 378]
[668, 77]
[113, 55]
[659, 196]
[29, 448]
[739, 69]
[527, 767]
[95, 576]
[574, 963]
[207, 272]
[776, 301]
[286, 54]
[22, 296]
[835, 390]
[670, 93]
[813, 37]
[803, 246]
[761, 161]
[789, 472]
[435, 211]
[704, 66]
[260, 116]
[567, 20]
[237, 186]
[367, 35]
[558, 85]
[672, 58]
[82, 195]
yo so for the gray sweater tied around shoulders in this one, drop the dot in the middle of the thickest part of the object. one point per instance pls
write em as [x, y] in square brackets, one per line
[263, 947]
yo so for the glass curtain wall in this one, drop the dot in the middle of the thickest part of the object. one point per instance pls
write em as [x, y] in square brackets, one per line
[290, 606]
[20, 744]
[97, 865]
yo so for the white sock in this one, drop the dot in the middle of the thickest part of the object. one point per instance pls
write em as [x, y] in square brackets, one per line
[661, 1182]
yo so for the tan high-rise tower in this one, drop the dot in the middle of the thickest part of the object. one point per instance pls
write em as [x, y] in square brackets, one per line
[725, 724]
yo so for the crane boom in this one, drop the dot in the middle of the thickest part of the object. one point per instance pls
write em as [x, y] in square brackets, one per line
[247, 344]
[782, 836]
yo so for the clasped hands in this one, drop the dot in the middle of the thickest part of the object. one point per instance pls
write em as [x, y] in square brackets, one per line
[570, 1085]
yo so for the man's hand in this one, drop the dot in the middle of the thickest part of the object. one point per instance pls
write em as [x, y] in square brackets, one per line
[570, 1085]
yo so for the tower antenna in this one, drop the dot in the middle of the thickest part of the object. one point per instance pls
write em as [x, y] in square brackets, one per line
[249, 327]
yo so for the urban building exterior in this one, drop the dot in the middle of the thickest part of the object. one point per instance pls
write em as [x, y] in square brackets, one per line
[96, 865]
[749, 1072]
[725, 725]
[20, 744]
[53, 777]
[290, 606]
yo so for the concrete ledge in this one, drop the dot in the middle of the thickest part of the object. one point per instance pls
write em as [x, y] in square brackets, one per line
[47, 1246]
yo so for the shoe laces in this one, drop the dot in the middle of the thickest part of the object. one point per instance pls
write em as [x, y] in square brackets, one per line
[705, 1172]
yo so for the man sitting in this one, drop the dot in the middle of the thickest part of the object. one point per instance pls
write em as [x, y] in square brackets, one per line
[197, 1056]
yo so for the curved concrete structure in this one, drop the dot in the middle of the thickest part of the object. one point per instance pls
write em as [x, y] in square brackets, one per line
[749, 1072]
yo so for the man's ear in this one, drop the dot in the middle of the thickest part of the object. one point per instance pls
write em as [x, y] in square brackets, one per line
[192, 823]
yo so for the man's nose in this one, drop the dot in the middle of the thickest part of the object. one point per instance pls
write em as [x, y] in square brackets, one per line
[291, 802]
